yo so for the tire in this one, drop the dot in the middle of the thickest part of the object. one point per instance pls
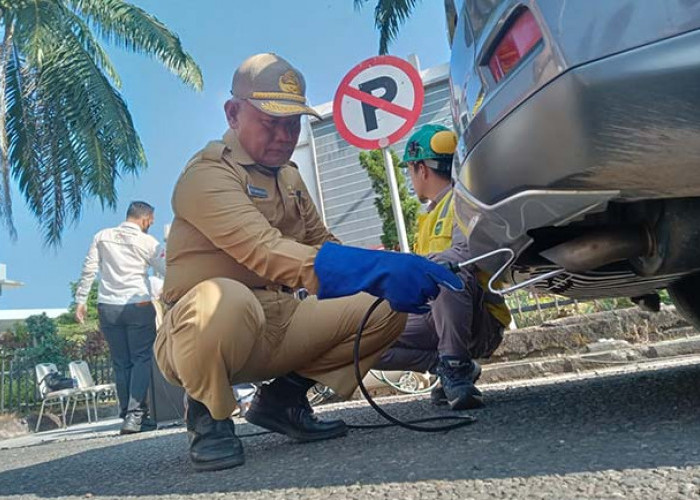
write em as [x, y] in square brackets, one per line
[685, 295]
[409, 382]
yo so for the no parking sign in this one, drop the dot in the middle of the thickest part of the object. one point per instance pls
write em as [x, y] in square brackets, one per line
[376, 104]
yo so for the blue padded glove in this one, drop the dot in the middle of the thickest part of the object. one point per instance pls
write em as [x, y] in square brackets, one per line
[406, 281]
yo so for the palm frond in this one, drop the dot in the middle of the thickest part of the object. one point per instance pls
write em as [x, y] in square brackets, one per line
[65, 131]
[24, 154]
[389, 16]
[83, 134]
[5, 189]
[133, 29]
[92, 47]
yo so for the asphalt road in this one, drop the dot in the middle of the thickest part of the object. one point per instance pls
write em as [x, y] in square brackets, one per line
[632, 435]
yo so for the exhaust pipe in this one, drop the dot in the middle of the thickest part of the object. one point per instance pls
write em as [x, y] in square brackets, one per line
[601, 247]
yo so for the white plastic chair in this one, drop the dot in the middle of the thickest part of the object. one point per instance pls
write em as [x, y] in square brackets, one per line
[80, 371]
[63, 397]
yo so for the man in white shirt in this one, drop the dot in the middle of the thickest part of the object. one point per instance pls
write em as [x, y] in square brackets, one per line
[122, 256]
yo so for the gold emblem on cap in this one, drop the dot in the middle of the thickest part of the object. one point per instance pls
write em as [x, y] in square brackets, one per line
[289, 82]
[282, 108]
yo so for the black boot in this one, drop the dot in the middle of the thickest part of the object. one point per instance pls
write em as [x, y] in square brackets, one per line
[282, 407]
[213, 443]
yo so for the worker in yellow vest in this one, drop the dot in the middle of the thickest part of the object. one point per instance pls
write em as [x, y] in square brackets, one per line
[462, 325]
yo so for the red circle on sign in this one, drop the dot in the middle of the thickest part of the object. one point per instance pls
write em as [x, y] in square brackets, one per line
[411, 115]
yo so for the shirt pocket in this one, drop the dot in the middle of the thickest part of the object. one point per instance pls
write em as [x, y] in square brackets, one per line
[295, 216]
[266, 206]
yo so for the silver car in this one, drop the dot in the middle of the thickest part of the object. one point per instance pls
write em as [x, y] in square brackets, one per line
[579, 143]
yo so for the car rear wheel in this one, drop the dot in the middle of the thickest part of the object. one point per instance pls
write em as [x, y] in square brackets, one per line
[685, 295]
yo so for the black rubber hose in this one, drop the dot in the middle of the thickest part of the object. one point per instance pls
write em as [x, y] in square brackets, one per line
[462, 420]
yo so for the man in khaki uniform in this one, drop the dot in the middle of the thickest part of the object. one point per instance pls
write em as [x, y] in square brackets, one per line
[244, 236]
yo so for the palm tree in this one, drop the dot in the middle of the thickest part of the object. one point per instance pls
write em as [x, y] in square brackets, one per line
[389, 15]
[65, 132]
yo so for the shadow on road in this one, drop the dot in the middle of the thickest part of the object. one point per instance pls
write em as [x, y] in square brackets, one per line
[640, 420]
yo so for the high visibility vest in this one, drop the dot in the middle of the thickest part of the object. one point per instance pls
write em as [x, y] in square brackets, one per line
[434, 235]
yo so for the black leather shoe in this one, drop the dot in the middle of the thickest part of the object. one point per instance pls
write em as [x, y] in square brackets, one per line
[213, 443]
[280, 407]
[136, 422]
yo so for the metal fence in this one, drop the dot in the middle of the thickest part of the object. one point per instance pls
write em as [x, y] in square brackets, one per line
[530, 309]
[19, 391]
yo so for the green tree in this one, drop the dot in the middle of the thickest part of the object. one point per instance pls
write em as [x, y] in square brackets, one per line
[373, 163]
[65, 131]
[47, 346]
[40, 338]
[84, 339]
[389, 15]
[91, 303]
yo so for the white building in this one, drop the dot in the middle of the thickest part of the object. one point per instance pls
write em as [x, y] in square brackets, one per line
[331, 168]
[10, 317]
[4, 282]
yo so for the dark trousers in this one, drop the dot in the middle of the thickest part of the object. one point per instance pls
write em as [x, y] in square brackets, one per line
[130, 331]
[458, 325]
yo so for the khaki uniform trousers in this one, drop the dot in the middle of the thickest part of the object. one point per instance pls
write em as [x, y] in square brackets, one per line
[222, 333]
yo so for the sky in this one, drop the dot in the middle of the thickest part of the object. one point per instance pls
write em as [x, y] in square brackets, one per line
[323, 38]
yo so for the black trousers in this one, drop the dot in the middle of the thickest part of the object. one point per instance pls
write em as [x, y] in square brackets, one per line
[130, 331]
[458, 324]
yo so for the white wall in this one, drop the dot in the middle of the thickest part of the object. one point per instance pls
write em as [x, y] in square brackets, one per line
[9, 317]
[303, 157]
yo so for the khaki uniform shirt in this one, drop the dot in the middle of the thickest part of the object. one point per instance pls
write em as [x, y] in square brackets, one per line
[235, 219]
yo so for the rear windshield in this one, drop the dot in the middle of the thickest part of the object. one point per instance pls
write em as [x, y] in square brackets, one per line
[479, 12]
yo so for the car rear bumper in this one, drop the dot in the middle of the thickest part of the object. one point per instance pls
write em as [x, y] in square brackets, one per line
[505, 224]
[625, 127]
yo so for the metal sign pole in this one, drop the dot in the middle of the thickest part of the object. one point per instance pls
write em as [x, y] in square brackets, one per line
[395, 201]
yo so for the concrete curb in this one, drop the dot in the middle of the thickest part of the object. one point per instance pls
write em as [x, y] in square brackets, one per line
[596, 359]
[572, 335]
[600, 355]
[578, 344]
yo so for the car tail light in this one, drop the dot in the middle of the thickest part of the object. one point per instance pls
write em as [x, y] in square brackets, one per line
[518, 41]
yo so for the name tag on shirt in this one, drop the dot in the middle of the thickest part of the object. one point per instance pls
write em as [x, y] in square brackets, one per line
[256, 192]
